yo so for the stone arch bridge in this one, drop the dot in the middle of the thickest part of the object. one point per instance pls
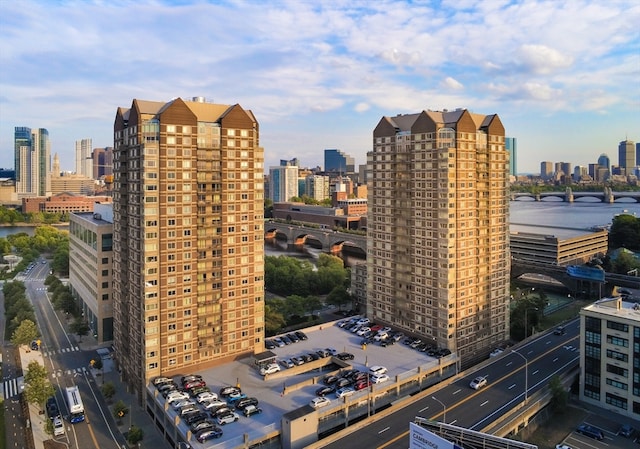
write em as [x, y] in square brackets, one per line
[332, 241]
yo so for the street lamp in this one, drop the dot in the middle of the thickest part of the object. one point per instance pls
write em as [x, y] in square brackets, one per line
[526, 375]
[444, 407]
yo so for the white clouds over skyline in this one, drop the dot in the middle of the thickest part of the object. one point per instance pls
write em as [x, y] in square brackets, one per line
[321, 74]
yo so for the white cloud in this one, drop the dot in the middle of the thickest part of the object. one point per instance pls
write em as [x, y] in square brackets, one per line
[541, 59]
[452, 84]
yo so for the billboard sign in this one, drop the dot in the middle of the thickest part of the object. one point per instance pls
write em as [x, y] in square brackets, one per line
[421, 438]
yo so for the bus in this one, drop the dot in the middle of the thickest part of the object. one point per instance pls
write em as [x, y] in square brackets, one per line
[76, 409]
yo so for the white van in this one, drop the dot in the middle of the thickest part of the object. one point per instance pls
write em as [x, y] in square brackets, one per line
[58, 427]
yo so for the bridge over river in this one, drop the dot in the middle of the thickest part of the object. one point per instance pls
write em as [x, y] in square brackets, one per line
[331, 241]
[569, 196]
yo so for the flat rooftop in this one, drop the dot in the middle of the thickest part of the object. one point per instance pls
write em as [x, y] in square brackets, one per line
[560, 233]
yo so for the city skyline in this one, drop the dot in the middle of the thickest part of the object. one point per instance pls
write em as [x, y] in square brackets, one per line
[336, 67]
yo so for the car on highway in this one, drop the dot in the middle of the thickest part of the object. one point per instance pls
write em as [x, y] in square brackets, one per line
[625, 430]
[478, 383]
[560, 330]
[319, 402]
[563, 446]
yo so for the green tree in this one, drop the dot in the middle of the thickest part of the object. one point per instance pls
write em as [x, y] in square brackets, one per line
[108, 390]
[624, 262]
[48, 427]
[120, 409]
[338, 297]
[37, 386]
[135, 435]
[559, 394]
[274, 321]
[80, 327]
[26, 332]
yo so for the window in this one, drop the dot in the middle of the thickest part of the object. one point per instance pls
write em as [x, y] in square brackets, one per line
[617, 341]
[617, 326]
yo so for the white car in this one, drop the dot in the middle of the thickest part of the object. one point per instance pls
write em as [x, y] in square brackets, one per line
[363, 330]
[177, 396]
[376, 370]
[381, 336]
[214, 404]
[270, 369]
[319, 402]
[379, 378]
[58, 427]
[343, 392]
[206, 396]
[562, 446]
[182, 403]
[478, 383]
[228, 418]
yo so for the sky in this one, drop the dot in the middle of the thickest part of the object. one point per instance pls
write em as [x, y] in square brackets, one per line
[564, 76]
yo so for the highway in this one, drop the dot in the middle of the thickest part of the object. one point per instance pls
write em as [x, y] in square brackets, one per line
[68, 365]
[456, 403]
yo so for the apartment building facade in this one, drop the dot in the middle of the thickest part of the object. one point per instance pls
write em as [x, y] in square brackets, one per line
[188, 237]
[610, 356]
[90, 267]
[438, 259]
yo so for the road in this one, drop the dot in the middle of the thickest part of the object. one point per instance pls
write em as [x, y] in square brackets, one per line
[458, 404]
[68, 365]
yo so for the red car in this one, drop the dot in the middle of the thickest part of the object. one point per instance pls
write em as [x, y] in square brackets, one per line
[195, 384]
[361, 385]
[376, 327]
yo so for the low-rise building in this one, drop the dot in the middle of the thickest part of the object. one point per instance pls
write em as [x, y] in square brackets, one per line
[610, 356]
[65, 202]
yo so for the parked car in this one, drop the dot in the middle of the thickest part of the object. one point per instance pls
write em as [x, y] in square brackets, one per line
[206, 396]
[183, 403]
[227, 418]
[478, 383]
[496, 352]
[377, 369]
[194, 384]
[58, 427]
[590, 431]
[323, 353]
[228, 391]
[221, 411]
[52, 408]
[301, 335]
[313, 356]
[271, 368]
[322, 391]
[379, 379]
[345, 356]
[169, 386]
[362, 384]
[343, 382]
[161, 380]
[343, 392]
[195, 417]
[278, 341]
[190, 378]
[443, 352]
[625, 430]
[209, 434]
[293, 337]
[245, 402]
[330, 379]
[177, 396]
[297, 360]
[200, 426]
[287, 363]
[319, 402]
[251, 410]
[269, 344]
[212, 406]
[233, 400]
[331, 351]
[286, 340]
[194, 392]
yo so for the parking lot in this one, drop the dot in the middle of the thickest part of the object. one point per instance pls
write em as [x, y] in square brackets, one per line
[277, 396]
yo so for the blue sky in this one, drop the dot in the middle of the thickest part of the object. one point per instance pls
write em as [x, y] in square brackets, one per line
[564, 76]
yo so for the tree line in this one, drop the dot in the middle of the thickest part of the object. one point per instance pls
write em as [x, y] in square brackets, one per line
[14, 217]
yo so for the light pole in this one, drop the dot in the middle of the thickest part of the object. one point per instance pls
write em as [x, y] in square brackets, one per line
[526, 375]
[444, 407]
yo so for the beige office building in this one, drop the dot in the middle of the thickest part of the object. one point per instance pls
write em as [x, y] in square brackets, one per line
[438, 259]
[90, 267]
[188, 237]
[610, 356]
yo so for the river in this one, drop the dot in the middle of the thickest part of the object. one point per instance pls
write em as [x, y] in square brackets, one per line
[581, 214]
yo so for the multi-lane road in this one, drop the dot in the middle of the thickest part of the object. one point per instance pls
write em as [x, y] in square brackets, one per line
[68, 365]
[512, 377]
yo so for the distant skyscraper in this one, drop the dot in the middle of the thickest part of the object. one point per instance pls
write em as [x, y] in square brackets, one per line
[511, 145]
[188, 238]
[32, 162]
[283, 183]
[83, 158]
[102, 160]
[438, 228]
[546, 169]
[627, 155]
[317, 187]
[603, 161]
[335, 161]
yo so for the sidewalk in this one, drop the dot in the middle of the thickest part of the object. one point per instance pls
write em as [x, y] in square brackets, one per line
[136, 416]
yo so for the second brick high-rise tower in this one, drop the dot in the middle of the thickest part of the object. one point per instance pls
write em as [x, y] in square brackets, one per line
[438, 260]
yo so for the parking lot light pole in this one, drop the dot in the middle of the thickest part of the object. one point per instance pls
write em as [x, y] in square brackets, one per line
[444, 407]
[526, 375]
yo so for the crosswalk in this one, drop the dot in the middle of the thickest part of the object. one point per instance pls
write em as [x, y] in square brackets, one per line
[61, 351]
[12, 387]
[70, 372]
